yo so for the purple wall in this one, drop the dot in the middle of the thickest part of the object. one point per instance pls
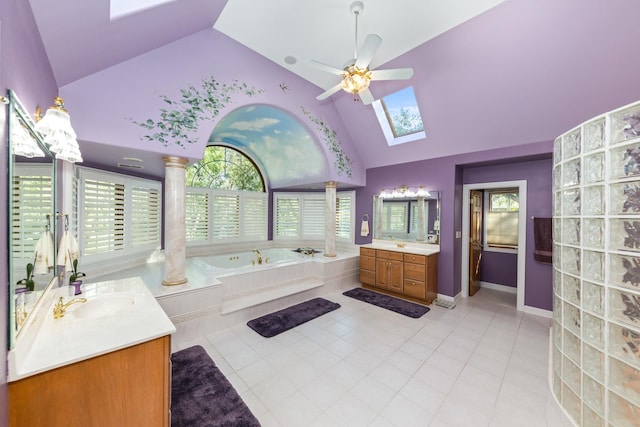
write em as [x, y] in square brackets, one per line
[499, 268]
[25, 69]
[448, 174]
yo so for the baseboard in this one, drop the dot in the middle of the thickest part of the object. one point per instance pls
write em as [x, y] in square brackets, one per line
[497, 287]
[538, 311]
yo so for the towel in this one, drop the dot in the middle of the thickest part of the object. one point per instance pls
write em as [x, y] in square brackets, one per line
[364, 230]
[542, 229]
[68, 250]
[44, 253]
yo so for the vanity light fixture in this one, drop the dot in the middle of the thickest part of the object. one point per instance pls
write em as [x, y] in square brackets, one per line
[404, 191]
[22, 143]
[58, 134]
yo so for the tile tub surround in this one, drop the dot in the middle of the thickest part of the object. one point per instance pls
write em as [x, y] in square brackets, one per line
[49, 343]
[596, 327]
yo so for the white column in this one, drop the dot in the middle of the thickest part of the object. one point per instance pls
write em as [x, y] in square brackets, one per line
[421, 223]
[377, 217]
[174, 221]
[330, 219]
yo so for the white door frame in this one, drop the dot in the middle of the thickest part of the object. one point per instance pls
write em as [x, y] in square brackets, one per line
[522, 233]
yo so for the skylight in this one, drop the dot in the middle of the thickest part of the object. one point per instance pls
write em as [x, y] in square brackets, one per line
[120, 8]
[399, 117]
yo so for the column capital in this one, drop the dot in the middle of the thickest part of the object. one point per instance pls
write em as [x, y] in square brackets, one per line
[175, 161]
[330, 184]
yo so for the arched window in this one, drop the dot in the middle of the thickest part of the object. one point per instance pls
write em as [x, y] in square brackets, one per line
[225, 168]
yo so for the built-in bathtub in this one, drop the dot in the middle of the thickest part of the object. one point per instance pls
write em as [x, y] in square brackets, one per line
[254, 258]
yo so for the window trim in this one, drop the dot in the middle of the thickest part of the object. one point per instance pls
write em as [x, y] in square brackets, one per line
[387, 128]
[485, 212]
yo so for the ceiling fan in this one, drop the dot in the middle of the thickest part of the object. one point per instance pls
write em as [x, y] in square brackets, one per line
[356, 74]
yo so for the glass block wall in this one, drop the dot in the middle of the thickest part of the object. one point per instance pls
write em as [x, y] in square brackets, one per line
[596, 258]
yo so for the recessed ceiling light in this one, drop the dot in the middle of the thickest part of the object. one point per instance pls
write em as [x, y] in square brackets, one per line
[290, 60]
[132, 159]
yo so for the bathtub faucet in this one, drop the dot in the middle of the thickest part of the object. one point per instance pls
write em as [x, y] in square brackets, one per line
[257, 251]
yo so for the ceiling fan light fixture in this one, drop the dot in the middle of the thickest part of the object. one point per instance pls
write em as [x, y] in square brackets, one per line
[355, 80]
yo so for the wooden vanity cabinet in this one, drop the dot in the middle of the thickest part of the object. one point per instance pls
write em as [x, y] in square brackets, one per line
[389, 270]
[127, 387]
[408, 275]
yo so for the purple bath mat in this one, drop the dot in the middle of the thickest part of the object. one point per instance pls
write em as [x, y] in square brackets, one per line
[390, 303]
[202, 396]
[277, 322]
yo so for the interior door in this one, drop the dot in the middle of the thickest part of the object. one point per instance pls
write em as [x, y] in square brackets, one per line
[475, 240]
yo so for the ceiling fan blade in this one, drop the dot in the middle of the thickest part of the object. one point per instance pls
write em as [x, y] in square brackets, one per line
[366, 96]
[329, 92]
[392, 74]
[327, 68]
[369, 47]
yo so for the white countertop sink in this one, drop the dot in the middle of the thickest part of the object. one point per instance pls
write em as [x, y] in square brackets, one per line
[117, 314]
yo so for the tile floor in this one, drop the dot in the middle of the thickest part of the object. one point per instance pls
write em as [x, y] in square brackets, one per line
[480, 364]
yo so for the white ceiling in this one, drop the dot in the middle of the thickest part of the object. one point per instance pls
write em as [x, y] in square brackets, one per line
[324, 30]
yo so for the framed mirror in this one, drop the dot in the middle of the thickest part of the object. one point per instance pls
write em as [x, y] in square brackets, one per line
[407, 216]
[31, 215]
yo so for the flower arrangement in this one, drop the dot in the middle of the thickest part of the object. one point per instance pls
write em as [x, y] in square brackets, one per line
[75, 275]
[28, 281]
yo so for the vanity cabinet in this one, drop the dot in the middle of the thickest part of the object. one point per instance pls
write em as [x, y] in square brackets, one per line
[399, 273]
[389, 269]
[127, 387]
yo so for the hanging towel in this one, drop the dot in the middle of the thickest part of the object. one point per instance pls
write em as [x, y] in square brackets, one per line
[44, 253]
[364, 230]
[543, 240]
[68, 250]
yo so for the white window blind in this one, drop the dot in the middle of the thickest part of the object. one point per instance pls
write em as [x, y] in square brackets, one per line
[33, 201]
[302, 215]
[501, 219]
[226, 216]
[286, 216]
[146, 214]
[254, 217]
[313, 208]
[118, 214]
[102, 225]
[344, 215]
[197, 215]
[395, 218]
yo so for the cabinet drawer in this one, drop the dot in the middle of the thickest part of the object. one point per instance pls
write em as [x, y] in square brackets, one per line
[367, 263]
[416, 259]
[414, 288]
[414, 271]
[368, 277]
[396, 256]
[367, 252]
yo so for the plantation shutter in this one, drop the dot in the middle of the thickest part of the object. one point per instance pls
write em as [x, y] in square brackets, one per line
[313, 210]
[343, 217]
[145, 215]
[395, 217]
[254, 217]
[31, 188]
[103, 216]
[287, 216]
[197, 215]
[226, 216]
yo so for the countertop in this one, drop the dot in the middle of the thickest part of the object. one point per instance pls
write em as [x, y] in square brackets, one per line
[49, 343]
[409, 248]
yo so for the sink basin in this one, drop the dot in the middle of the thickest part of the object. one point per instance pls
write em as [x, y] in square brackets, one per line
[104, 306]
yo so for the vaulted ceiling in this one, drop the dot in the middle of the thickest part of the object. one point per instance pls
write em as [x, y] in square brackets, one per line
[488, 74]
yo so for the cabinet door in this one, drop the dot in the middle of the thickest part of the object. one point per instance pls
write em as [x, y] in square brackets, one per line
[395, 276]
[382, 273]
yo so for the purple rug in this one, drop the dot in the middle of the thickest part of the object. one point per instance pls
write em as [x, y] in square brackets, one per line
[277, 322]
[202, 396]
[390, 303]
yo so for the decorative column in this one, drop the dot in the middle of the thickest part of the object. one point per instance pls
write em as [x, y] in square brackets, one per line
[596, 259]
[174, 221]
[330, 219]
[377, 217]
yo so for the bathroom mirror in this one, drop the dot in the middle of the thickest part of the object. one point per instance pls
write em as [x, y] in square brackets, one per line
[31, 216]
[407, 217]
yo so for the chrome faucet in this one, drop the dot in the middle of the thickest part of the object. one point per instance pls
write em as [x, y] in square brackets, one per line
[60, 308]
[257, 251]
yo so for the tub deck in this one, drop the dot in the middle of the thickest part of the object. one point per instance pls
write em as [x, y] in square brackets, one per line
[214, 299]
